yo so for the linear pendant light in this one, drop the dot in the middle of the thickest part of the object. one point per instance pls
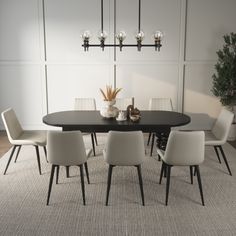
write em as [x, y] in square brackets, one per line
[120, 36]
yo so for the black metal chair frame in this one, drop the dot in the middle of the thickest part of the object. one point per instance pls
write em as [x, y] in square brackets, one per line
[166, 171]
[109, 182]
[17, 154]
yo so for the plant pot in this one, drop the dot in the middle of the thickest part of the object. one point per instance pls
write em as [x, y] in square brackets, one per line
[109, 110]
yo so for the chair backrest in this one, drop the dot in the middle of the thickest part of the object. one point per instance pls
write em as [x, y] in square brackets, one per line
[164, 104]
[12, 125]
[123, 103]
[85, 104]
[185, 148]
[125, 148]
[66, 148]
[222, 125]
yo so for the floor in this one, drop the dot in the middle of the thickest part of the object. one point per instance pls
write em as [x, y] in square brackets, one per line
[23, 195]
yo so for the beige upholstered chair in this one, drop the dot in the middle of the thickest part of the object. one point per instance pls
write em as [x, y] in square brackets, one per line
[219, 134]
[124, 149]
[87, 104]
[18, 137]
[163, 104]
[67, 149]
[123, 103]
[183, 149]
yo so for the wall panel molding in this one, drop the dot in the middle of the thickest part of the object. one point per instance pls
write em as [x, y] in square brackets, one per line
[46, 35]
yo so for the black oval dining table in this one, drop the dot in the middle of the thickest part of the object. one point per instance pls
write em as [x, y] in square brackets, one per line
[92, 121]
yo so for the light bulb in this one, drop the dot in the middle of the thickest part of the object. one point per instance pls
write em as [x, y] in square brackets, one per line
[158, 35]
[86, 35]
[102, 35]
[139, 36]
[121, 36]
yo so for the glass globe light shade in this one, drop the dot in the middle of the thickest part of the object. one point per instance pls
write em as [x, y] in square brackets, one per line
[139, 36]
[102, 35]
[121, 36]
[86, 35]
[158, 35]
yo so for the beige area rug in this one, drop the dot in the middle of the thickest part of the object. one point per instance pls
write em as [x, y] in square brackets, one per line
[23, 192]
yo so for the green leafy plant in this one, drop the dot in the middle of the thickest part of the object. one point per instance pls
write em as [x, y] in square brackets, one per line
[224, 80]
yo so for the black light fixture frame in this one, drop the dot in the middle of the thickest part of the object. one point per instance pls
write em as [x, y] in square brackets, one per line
[157, 45]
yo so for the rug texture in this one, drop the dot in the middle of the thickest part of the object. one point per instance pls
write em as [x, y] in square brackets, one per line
[23, 194]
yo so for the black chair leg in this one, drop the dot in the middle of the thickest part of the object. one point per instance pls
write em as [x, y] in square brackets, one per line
[217, 154]
[225, 159]
[140, 182]
[9, 160]
[199, 183]
[67, 172]
[95, 137]
[50, 183]
[18, 151]
[109, 182]
[152, 144]
[165, 171]
[87, 173]
[45, 152]
[82, 182]
[38, 159]
[57, 174]
[92, 138]
[162, 172]
[195, 171]
[168, 170]
[149, 138]
[191, 173]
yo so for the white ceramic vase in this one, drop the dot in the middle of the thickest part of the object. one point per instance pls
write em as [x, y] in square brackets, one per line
[109, 110]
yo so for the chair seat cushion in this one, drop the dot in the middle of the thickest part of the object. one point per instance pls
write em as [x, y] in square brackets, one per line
[38, 138]
[211, 140]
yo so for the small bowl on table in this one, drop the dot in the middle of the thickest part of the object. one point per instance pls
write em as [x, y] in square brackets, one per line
[134, 118]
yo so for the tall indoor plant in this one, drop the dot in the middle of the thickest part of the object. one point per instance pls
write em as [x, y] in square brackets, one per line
[224, 80]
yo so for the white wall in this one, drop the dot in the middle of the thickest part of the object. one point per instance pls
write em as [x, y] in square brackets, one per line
[43, 66]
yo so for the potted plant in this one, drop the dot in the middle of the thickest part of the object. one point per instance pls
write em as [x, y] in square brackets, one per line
[224, 80]
[109, 97]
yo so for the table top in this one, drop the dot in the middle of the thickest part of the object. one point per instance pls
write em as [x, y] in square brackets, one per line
[92, 121]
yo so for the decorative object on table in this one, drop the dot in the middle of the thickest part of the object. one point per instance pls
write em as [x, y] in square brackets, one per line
[121, 116]
[109, 95]
[224, 80]
[133, 113]
[120, 36]
[135, 118]
[129, 110]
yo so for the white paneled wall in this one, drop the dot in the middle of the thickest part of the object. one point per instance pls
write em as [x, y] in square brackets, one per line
[66, 82]
[43, 66]
[19, 30]
[22, 88]
[146, 81]
[156, 15]
[207, 22]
